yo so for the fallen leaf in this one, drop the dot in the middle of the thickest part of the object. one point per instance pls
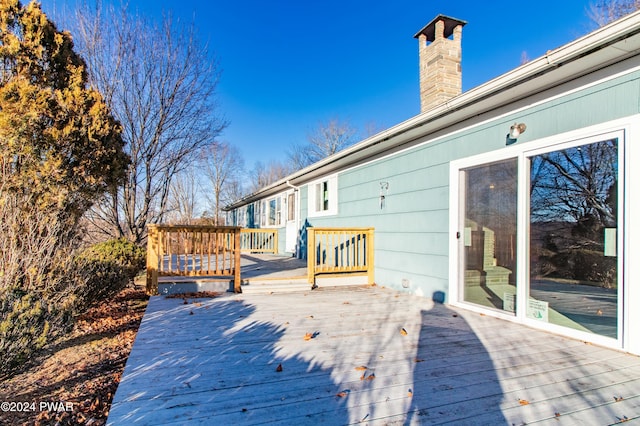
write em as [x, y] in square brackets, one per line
[618, 398]
[599, 312]
[279, 368]
[419, 360]
[310, 336]
[409, 393]
[523, 402]
[363, 376]
[361, 368]
[557, 414]
[371, 376]
[342, 394]
[403, 332]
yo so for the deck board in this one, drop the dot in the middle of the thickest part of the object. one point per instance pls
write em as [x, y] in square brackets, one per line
[214, 362]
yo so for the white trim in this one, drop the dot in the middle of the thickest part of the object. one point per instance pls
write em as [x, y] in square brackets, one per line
[625, 129]
[265, 211]
[332, 191]
[632, 246]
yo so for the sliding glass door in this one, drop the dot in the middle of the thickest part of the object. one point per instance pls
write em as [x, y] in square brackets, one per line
[489, 234]
[539, 235]
[573, 230]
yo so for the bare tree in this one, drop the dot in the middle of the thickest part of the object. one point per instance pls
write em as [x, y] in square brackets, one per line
[327, 139]
[262, 175]
[184, 197]
[223, 165]
[161, 84]
[371, 128]
[605, 11]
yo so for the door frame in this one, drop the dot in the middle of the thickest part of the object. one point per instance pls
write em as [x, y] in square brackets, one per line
[291, 225]
[624, 129]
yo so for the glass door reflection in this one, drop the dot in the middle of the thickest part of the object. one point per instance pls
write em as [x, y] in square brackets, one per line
[489, 253]
[573, 277]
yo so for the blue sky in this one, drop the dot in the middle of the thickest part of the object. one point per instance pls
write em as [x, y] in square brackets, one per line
[289, 65]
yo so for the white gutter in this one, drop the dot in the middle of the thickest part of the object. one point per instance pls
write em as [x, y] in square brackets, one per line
[524, 80]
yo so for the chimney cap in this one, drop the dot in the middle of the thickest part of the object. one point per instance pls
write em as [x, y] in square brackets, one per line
[450, 24]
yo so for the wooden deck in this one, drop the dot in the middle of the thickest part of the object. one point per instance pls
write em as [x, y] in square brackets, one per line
[215, 361]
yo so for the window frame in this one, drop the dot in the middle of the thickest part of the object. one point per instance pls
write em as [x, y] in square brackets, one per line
[328, 204]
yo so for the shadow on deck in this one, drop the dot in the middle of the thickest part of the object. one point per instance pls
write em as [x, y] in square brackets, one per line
[376, 357]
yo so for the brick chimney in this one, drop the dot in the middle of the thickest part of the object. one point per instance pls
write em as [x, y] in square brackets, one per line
[440, 47]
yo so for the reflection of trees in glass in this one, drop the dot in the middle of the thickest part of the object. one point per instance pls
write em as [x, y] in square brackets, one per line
[573, 198]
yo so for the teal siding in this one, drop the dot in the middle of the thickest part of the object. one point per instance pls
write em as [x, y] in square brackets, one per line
[282, 240]
[411, 240]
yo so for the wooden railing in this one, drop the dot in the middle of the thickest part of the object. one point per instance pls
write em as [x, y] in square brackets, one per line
[192, 250]
[255, 240]
[339, 250]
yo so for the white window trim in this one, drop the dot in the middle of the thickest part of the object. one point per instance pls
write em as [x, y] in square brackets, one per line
[332, 189]
[265, 214]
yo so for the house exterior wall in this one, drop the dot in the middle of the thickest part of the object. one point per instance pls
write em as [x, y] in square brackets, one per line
[415, 241]
[406, 183]
[412, 228]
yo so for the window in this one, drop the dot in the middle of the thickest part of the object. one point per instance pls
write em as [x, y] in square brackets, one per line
[270, 211]
[275, 211]
[323, 197]
[291, 206]
[263, 213]
[241, 217]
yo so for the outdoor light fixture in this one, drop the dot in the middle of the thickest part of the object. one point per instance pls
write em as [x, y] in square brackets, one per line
[384, 187]
[515, 131]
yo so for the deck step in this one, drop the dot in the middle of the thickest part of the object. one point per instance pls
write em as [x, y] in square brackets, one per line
[285, 285]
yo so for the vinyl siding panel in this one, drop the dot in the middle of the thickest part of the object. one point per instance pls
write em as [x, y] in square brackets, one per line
[412, 240]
